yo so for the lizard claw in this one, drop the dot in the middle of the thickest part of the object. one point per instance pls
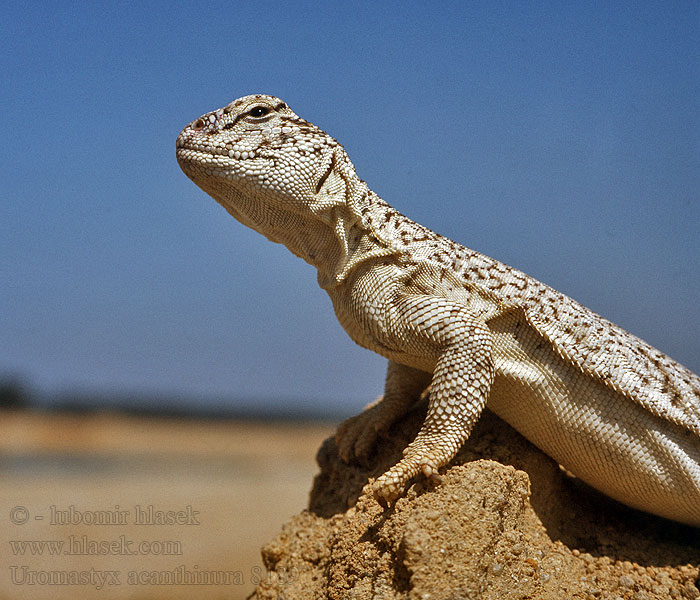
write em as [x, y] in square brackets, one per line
[431, 474]
[389, 486]
[356, 437]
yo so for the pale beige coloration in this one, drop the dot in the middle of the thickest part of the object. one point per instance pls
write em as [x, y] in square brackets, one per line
[611, 409]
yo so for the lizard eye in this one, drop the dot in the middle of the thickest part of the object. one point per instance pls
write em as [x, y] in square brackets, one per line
[259, 111]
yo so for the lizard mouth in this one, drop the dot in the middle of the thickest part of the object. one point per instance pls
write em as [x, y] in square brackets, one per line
[193, 154]
[191, 160]
[194, 139]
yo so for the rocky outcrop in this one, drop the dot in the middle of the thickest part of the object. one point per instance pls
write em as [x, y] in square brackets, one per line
[506, 522]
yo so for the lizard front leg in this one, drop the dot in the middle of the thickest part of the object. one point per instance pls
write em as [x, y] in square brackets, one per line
[460, 345]
[404, 385]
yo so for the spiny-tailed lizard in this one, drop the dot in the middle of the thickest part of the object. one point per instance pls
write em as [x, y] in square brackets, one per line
[607, 406]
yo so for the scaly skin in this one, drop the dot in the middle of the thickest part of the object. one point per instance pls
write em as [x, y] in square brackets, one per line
[614, 411]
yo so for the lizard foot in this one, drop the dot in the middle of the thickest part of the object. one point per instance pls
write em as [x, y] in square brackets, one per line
[388, 487]
[357, 435]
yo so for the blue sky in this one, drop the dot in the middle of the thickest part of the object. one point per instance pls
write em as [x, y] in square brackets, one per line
[561, 138]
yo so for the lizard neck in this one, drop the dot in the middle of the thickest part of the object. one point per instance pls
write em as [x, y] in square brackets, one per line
[340, 228]
[359, 233]
[343, 225]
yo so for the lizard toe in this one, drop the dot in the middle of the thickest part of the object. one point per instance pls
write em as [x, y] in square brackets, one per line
[389, 486]
[356, 437]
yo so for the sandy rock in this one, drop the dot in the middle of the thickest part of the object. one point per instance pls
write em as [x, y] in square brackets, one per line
[506, 522]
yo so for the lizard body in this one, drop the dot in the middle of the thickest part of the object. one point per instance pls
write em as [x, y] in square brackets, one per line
[603, 403]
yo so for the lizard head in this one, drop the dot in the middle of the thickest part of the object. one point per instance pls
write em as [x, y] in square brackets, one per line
[269, 168]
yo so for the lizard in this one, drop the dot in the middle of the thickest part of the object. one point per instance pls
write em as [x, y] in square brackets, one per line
[608, 407]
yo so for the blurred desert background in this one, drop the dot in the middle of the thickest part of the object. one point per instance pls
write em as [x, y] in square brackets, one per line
[230, 483]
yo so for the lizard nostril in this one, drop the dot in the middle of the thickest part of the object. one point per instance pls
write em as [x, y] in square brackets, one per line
[198, 124]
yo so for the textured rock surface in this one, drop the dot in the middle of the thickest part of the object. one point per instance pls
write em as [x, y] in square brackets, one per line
[505, 523]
